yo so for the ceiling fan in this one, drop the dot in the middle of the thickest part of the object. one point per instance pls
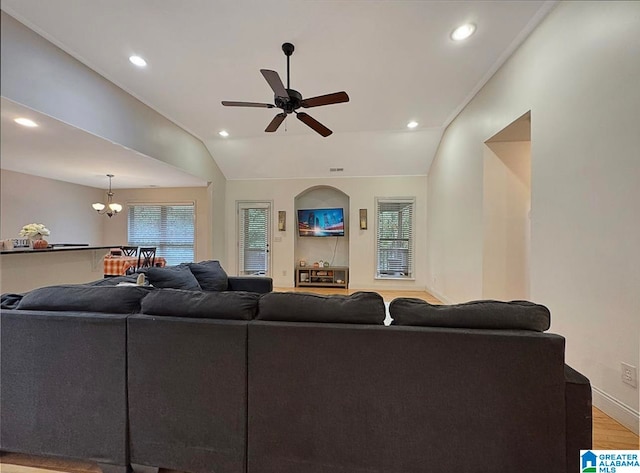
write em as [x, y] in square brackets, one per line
[290, 100]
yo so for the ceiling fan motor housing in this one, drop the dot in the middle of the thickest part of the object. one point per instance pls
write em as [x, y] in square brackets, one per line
[292, 103]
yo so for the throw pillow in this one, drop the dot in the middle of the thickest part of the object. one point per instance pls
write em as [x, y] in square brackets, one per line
[80, 298]
[210, 275]
[175, 277]
[514, 315]
[235, 305]
[358, 308]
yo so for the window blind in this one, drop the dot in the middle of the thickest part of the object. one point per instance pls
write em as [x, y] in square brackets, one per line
[254, 241]
[394, 238]
[168, 227]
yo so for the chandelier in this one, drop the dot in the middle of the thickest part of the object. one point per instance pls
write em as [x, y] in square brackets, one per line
[111, 208]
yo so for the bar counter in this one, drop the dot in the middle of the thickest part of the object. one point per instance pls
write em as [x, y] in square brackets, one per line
[23, 269]
[54, 247]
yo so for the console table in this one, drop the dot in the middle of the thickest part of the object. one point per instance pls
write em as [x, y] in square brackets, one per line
[331, 276]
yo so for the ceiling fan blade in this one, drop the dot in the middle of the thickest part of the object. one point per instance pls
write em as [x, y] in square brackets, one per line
[313, 123]
[247, 104]
[275, 123]
[338, 97]
[275, 83]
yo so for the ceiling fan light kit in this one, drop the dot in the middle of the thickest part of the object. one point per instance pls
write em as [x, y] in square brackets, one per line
[289, 100]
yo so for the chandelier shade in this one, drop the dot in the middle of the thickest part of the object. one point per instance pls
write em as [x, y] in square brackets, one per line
[110, 208]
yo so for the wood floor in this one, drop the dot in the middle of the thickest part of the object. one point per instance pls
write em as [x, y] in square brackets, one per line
[607, 433]
[610, 435]
[388, 296]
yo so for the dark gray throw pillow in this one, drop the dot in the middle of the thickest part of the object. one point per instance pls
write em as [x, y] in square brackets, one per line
[80, 298]
[358, 308]
[514, 315]
[210, 275]
[232, 305]
[174, 277]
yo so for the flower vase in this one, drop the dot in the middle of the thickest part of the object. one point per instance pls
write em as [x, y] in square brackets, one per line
[38, 243]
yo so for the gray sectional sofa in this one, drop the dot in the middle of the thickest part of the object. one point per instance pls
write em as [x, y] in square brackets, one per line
[253, 381]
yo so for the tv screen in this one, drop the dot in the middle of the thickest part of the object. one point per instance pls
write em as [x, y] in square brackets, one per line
[321, 222]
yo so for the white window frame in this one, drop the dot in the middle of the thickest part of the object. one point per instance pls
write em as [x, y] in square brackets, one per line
[411, 247]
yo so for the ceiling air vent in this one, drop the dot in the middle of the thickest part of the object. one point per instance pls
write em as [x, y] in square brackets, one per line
[336, 169]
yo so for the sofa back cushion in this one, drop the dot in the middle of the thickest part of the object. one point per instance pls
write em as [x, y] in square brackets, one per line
[488, 314]
[210, 275]
[80, 298]
[358, 308]
[175, 277]
[230, 305]
[403, 400]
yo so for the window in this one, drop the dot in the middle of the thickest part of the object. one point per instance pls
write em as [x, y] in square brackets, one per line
[168, 227]
[394, 237]
[253, 238]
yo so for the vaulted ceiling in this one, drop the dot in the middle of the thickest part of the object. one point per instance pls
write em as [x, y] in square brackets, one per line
[395, 59]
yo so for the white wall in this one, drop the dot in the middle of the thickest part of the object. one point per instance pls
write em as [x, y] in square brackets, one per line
[64, 208]
[116, 229]
[362, 193]
[506, 206]
[578, 73]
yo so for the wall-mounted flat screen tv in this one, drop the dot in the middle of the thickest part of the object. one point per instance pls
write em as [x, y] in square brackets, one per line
[320, 222]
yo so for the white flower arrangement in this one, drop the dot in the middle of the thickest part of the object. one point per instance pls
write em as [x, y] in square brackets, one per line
[34, 230]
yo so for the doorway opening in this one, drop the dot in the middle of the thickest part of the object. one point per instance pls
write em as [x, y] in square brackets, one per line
[506, 212]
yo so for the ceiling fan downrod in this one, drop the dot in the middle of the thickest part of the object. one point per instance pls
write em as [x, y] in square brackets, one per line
[288, 49]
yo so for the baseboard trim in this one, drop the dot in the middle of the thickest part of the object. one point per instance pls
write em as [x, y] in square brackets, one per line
[619, 411]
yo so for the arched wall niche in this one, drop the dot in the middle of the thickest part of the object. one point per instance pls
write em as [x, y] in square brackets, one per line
[335, 250]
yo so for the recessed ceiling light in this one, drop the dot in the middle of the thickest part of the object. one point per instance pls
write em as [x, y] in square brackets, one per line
[412, 124]
[223, 133]
[463, 32]
[138, 61]
[25, 122]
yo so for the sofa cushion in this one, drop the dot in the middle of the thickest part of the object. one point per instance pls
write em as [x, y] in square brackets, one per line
[358, 308]
[210, 275]
[232, 305]
[174, 277]
[80, 298]
[487, 314]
